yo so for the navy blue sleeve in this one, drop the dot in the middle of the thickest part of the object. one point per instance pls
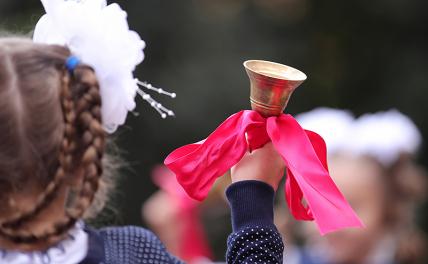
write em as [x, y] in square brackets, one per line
[255, 238]
[131, 244]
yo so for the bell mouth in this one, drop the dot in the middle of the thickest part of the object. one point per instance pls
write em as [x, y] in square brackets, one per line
[274, 70]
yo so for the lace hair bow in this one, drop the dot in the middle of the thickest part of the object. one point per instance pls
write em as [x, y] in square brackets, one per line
[383, 136]
[99, 35]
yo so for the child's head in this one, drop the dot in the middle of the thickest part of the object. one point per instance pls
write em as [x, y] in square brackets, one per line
[51, 143]
[385, 199]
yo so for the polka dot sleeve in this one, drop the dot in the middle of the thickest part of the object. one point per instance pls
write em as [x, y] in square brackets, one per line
[255, 238]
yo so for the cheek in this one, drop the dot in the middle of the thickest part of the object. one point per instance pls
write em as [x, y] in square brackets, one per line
[351, 244]
[367, 198]
[371, 213]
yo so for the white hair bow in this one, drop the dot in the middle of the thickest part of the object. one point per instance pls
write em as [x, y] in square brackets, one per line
[333, 125]
[99, 35]
[382, 135]
[385, 136]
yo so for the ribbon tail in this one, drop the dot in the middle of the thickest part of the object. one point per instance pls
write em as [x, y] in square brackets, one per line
[294, 196]
[300, 152]
[198, 165]
[319, 146]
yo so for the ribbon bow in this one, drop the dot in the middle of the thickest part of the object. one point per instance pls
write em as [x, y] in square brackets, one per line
[198, 165]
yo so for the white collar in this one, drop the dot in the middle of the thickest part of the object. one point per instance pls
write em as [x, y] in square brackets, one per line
[69, 251]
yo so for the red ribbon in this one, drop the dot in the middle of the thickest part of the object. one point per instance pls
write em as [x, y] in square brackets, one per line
[198, 165]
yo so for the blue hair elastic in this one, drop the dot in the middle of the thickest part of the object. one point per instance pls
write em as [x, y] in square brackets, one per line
[71, 63]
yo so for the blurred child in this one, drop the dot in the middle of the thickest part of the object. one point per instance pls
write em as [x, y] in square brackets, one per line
[371, 161]
[176, 219]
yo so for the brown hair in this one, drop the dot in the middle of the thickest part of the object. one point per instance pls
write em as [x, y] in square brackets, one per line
[51, 142]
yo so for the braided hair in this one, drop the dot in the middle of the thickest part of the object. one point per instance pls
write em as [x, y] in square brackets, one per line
[52, 137]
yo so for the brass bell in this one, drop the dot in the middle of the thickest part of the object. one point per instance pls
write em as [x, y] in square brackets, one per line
[271, 85]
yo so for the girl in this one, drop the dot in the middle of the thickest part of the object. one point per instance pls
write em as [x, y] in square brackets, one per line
[54, 171]
[371, 159]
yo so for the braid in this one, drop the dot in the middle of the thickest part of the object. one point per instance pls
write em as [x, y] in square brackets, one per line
[65, 157]
[82, 147]
[92, 140]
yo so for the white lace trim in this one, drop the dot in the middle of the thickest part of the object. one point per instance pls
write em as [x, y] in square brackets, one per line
[70, 251]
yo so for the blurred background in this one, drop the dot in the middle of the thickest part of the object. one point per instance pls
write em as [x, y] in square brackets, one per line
[365, 56]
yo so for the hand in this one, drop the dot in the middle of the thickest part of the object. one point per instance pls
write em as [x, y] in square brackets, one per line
[263, 164]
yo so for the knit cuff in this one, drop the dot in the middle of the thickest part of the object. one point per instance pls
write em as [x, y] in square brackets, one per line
[251, 203]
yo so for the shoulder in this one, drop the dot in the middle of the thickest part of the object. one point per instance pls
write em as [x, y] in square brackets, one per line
[129, 233]
[132, 244]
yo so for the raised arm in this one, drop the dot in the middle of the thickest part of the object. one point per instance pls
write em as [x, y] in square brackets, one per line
[255, 238]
